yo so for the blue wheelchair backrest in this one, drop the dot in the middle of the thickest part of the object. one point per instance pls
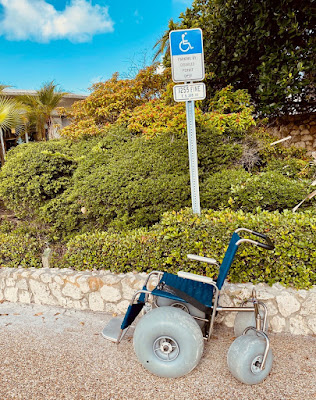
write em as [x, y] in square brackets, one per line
[228, 260]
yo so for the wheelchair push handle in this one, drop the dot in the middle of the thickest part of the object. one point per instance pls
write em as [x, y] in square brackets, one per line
[268, 245]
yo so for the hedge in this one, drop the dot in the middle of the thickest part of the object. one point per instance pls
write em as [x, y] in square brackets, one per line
[165, 246]
[270, 190]
[21, 243]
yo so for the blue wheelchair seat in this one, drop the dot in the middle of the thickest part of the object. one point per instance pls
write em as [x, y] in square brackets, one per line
[201, 292]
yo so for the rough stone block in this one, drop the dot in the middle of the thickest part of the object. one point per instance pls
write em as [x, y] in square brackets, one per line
[56, 291]
[110, 293]
[96, 302]
[11, 294]
[26, 273]
[311, 322]
[82, 281]
[287, 304]
[110, 308]
[10, 282]
[95, 283]
[312, 130]
[84, 304]
[229, 319]
[298, 326]
[2, 283]
[73, 291]
[127, 287]
[59, 280]
[307, 138]
[277, 324]
[36, 273]
[226, 301]
[46, 277]
[111, 279]
[24, 297]
[22, 284]
[272, 309]
[309, 305]
[265, 294]
[41, 293]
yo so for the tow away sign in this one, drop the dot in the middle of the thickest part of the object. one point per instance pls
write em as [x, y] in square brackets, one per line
[191, 91]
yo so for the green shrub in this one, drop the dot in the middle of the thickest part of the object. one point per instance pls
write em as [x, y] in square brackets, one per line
[269, 191]
[132, 182]
[21, 242]
[293, 168]
[34, 174]
[125, 181]
[216, 192]
[239, 189]
[165, 246]
[19, 251]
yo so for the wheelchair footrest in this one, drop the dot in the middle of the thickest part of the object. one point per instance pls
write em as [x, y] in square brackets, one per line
[112, 330]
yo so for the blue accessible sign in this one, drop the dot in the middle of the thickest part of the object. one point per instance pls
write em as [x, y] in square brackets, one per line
[187, 58]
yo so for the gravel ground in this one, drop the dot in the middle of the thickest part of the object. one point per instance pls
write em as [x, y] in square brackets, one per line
[52, 353]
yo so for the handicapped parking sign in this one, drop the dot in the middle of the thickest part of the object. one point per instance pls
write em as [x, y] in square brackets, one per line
[187, 58]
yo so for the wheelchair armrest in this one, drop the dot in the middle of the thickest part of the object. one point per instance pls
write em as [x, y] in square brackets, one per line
[194, 277]
[202, 259]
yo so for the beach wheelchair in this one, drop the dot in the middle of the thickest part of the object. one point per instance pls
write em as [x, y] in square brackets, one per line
[179, 314]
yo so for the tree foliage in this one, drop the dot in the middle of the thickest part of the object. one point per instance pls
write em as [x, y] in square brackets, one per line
[145, 106]
[114, 101]
[266, 47]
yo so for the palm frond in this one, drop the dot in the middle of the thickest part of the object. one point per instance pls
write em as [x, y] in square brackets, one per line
[12, 113]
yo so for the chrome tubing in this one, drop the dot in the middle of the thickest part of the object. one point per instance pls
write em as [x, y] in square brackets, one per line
[265, 354]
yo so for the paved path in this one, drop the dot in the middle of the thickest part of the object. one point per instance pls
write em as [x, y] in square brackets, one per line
[48, 353]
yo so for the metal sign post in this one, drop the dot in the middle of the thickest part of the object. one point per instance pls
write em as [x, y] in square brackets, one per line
[187, 64]
[193, 160]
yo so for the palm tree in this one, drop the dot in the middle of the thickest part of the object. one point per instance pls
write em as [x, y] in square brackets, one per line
[162, 44]
[12, 115]
[42, 105]
[2, 87]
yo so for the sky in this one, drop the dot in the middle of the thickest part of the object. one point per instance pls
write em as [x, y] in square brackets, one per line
[79, 42]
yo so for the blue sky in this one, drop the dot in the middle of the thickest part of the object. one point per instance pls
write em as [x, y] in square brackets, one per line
[78, 42]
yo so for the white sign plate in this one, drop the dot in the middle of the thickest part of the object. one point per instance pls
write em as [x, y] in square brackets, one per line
[187, 57]
[191, 91]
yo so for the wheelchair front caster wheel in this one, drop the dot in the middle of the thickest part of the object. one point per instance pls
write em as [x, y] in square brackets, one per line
[168, 342]
[244, 358]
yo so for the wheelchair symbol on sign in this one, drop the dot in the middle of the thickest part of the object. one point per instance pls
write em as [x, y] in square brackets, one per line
[185, 45]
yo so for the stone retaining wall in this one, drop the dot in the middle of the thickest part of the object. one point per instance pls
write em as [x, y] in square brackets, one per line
[301, 127]
[290, 310]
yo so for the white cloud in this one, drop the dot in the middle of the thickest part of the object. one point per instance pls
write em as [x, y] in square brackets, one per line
[39, 21]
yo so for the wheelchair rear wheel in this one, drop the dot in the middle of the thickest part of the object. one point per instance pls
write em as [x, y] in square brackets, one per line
[168, 342]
